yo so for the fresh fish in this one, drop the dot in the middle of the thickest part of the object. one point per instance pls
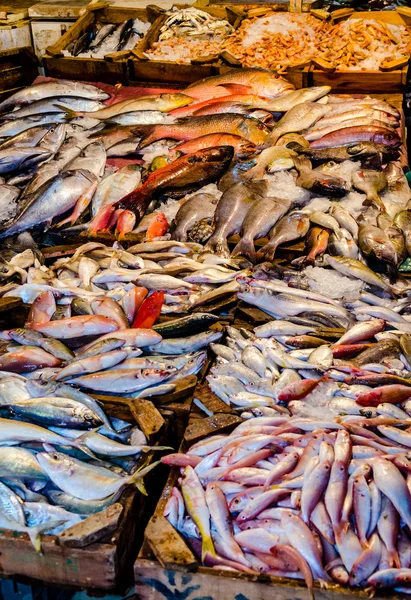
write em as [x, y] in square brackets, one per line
[190, 128]
[318, 182]
[354, 268]
[291, 227]
[290, 99]
[161, 102]
[196, 208]
[299, 117]
[86, 481]
[242, 147]
[258, 81]
[260, 218]
[56, 411]
[371, 183]
[354, 135]
[230, 213]
[54, 198]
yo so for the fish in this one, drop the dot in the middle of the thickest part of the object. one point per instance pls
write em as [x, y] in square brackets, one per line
[149, 310]
[35, 338]
[193, 210]
[102, 34]
[257, 81]
[260, 218]
[83, 481]
[158, 227]
[191, 128]
[123, 380]
[160, 102]
[69, 188]
[73, 327]
[56, 411]
[374, 242]
[355, 135]
[371, 183]
[299, 117]
[180, 175]
[355, 152]
[137, 117]
[291, 227]
[230, 213]
[242, 147]
[17, 159]
[403, 221]
[191, 324]
[320, 131]
[354, 268]
[316, 243]
[318, 182]
[274, 159]
[290, 99]
[55, 88]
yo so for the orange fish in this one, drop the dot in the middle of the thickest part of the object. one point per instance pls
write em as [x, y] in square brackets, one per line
[132, 300]
[242, 147]
[149, 311]
[125, 223]
[187, 111]
[157, 227]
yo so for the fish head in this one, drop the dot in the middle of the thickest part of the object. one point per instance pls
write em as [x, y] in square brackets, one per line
[176, 100]
[55, 463]
[87, 416]
[387, 138]
[268, 84]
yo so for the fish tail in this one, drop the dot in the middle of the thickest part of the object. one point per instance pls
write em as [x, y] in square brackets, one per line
[217, 246]
[137, 477]
[35, 531]
[245, 247]
[147, 134]
[393, 558]
[71, 114]
[309, 261]
[207, 548]
[267, 253]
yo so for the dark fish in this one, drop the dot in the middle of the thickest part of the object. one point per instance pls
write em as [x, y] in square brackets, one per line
[376, 244]
[83, 43]
[186, 325]
[126, 31]
[389, 348]
[185, 174]
[354, 152]
[318, 182]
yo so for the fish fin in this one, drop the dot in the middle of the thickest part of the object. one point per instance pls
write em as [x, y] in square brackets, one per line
[266, 253]
[236, 88]
[70, 114]
[309, 261]
[137, 477]
[217, 246]
[393, 559]
[207, 547]
[245, 247]
[155, 448]
[35, 531]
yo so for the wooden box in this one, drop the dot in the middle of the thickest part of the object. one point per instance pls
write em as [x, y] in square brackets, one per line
[388, 82]
[113, 68]
[18, 68]
[107, 563]
[143, 69]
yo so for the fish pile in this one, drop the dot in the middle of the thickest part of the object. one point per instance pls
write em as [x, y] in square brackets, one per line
[281, 40]
[276, 40]
[310, 499]
[103, 38]
[188, 34]
[149, 279]
[55, 468]
[364, 44]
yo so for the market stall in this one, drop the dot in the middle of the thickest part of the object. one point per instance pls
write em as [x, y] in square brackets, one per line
[204, 305]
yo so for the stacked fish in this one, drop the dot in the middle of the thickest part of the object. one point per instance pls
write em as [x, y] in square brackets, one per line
[337, 356]
[54, 473]
[99, 40]
[310, 499]
[178, 279]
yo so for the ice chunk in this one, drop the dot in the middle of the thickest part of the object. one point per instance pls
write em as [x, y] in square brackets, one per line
[333, 284]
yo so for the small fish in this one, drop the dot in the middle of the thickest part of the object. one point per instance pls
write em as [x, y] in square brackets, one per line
[371, 183]
[157, 228]
[354, 135]
[149, 310]
[191, 213]
[291, 227]
[316, 244]
[318, 182]
[260, 218]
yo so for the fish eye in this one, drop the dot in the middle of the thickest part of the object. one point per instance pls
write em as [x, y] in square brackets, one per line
[88, 416]
[55, 456]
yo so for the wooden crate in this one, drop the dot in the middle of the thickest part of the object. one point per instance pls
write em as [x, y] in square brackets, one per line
[113, 68]
[145, 70]
[18, 68]
[166, 566]
[107, 563]
[346, 82]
